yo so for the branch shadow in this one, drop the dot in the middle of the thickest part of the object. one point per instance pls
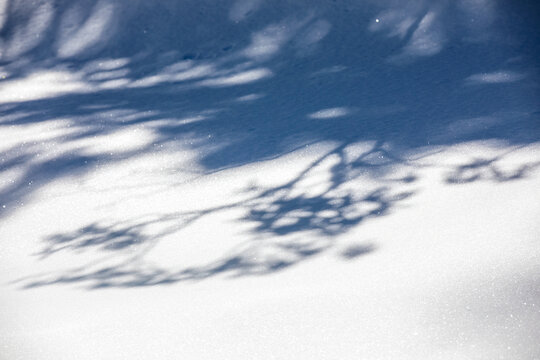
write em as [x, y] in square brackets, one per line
[489, 170]
[288, 229]
[237, 93]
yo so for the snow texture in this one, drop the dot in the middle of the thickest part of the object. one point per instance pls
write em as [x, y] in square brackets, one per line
[262, 179]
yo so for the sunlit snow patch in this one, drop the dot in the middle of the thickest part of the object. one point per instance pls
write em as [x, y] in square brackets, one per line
[120, 141]
[75, 38]
[178, 72]
[426, 40]
[267, 42]
[330, 113]
[238, 79]
[329, 70]
[270, 40]
[42, 85]
[105, 64]
[26, 34]
[249, 97]
[3, 13]
[497, 77]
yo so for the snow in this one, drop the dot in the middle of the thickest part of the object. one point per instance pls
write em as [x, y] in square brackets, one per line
[495, 77]
[269, 180]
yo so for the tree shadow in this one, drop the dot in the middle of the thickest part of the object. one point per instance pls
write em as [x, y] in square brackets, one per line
[193, 98]
[356, 250]
[289, 226]
[490, 169]
[94, 236]
[237, 92]
[485, 169]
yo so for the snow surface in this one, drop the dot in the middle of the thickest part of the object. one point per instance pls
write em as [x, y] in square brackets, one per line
[269, 180]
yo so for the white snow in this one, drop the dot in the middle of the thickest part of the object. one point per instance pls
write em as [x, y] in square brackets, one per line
[330, 113]
[41, 85]
[496, 77]
[255, 179]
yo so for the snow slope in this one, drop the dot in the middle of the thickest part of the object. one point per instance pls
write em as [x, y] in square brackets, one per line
[269, 179]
